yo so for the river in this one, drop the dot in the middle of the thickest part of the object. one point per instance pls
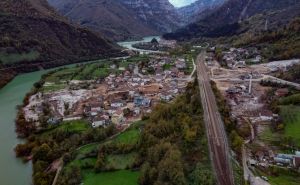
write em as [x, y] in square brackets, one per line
[145, 39]
[12, 170]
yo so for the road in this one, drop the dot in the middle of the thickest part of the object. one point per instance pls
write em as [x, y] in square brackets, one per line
[248, 175]
[264, 77]
[217, 139]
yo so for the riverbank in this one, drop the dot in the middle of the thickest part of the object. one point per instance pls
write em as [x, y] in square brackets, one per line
[11, 95]
[8, 73]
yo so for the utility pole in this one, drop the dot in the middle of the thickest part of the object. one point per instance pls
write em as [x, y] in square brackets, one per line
[266, 24]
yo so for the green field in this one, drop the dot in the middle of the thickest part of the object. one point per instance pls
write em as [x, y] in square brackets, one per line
[293, 99]
[118, 162]
[121, 177]
[121, 162]
[130, 136]
[91, 71]
[291, 118]
[269, 136]
[87, 149]
[75, 126]
[284, 180]
[54, 87]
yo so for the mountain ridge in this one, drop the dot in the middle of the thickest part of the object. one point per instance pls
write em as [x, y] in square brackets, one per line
[198, 9]
[226, 19]
[121, 19]
[37, 37]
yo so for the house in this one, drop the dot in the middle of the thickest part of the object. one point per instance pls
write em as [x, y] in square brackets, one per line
[233, 90]
[285, 156]
[266, 115]
[140, 101]
[257, 59]
[54, 121]
[100, 121]
[118, 117]
[166, 98]
[150, 89]
[296, 162]
[282, 160]
[180, 64]
[240, 64]
[117, 104]
[282, 92]
[95, 106]
[181, 74]
[252, 162]
[259, 155]
[137, 111]
[113, 66]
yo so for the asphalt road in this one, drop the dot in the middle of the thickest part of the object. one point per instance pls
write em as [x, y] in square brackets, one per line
[218, 144]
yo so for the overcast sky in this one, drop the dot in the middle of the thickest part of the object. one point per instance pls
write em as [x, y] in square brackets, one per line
[180, 3]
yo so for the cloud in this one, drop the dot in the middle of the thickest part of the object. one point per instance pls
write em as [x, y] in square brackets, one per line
[180, 3]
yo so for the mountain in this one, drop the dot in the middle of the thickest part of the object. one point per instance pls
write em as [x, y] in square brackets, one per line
[159, 14]
[34, 36]
[198, 9]
[228, 19]
[279, 44]
[108, 17]
[121, 19]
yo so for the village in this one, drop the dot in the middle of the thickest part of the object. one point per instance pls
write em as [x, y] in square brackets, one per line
[129, 93]
[239, 77]
[120, 98]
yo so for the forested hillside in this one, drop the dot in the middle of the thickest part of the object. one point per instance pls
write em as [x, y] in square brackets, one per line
[33, 36]
[231, 17]
[277, 44]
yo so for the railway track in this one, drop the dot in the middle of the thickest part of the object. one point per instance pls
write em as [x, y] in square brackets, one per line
[217, 139]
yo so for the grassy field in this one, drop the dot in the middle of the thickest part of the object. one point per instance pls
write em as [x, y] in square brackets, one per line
[54, 87]
[121, 177]
[92, 71]
[59, 79]
[121, 162]
[268, 136]
[118, 162]
[291, 118]
[75, 126]
[87, 149]
[284, 180]
[130, 136]
[293, 99]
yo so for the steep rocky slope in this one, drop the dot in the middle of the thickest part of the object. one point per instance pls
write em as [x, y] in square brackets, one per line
[227, 20]
[110, 18]
[159, 14]
[34, 36]
[121, 19]
[198, 10]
